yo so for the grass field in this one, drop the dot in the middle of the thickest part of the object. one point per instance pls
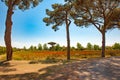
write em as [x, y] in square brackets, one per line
[60, 55]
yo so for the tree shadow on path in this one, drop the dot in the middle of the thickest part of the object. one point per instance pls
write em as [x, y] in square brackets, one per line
[91, 69]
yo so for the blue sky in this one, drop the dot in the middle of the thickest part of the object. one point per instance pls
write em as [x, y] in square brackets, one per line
[29, 29]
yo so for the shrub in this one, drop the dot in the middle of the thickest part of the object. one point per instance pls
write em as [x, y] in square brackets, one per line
[50, 60]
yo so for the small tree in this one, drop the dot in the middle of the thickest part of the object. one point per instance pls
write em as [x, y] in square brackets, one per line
[31, 47]
[96, 47]
[24, 48]
[89, 46]
[45, 47]
[116, 46]
[63, 48]
[40, 47]
[52, 45]
[57, 47]
[12, 4]
[34, 48]
[73, 48]
[79, 46]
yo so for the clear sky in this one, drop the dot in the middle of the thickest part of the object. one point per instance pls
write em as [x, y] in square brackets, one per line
[29, 29]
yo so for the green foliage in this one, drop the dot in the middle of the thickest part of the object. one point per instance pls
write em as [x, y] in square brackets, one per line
[15, 49]
[116, 46]
[31, 47]
[2, 50]
[92, 11]
[24, 48]
[73, 48]
[57, 47]
[63, 48]
[34, 48]
[79, 46]
[23, 4]
[54, 17]
[57, 17]
[96, 47]
[40, 47]
[45, 47]
[89, 46]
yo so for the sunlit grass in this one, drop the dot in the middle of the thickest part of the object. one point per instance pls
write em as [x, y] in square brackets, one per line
[42, 55]
[37, 55]
[60, 55]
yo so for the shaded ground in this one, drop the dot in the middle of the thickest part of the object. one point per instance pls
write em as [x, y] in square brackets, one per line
[91, 69]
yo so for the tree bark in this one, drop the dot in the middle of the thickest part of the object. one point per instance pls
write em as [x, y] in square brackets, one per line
[68, 43]
[8, 29]
[68, 37]
[103, 44]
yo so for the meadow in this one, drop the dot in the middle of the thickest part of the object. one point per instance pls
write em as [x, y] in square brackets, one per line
[54, 56]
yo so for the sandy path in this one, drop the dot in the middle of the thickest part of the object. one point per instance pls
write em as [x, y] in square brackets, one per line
[21, 67]
[91, 69]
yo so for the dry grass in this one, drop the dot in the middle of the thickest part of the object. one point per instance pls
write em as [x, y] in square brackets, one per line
[60, 55]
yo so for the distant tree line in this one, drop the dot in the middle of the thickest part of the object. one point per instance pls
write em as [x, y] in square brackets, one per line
[3, 49]
[78, 46]
[58, 47]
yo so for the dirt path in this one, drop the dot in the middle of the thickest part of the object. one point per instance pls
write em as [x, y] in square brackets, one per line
[92, 69]
[21, 67]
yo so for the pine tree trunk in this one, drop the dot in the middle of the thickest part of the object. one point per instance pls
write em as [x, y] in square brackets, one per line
[68, 43]
[8, 29]
[68, 36]
[103, 45]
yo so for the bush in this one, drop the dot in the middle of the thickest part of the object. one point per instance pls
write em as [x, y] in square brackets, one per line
[112, 54]
[2, 50]
[50, 60]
